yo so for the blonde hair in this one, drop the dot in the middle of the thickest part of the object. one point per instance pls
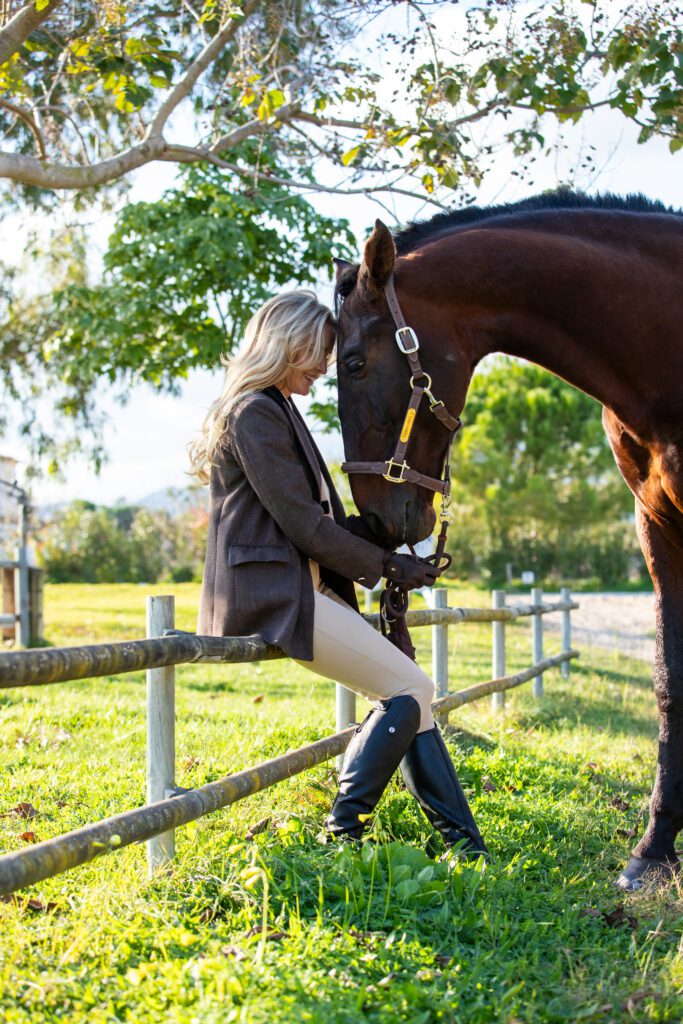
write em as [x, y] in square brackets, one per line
[287, 331]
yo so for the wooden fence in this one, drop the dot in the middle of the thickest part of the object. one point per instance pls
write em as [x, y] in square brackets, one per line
[21, 610]
[169, 806]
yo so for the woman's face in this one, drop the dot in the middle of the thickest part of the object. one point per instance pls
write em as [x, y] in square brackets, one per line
[301, 378]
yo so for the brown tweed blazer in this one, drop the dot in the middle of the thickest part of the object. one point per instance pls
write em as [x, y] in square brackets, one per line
[266, 521]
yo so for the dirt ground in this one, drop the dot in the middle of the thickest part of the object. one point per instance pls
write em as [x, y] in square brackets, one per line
[618, 621]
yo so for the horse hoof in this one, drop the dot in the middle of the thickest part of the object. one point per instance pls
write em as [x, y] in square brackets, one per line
[640, 870]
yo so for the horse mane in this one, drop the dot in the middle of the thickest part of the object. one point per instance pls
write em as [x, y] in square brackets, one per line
[415, 234]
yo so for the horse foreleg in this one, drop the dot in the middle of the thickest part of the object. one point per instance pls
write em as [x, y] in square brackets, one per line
[655, 853]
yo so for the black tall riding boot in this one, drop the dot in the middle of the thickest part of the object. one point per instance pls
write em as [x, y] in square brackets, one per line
[372, 757]
[431, 777]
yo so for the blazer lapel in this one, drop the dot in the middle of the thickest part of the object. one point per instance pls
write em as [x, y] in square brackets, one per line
[306, 444]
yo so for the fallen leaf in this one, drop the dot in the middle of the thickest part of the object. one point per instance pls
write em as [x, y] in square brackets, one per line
[23, 810]
[273, 936]
[617, 918]
[261, 696]
[29, 837]
[32, 904]
[257, 828]
[488, 785]
[636, 998]
[234, 951]
[619, 804]
[209, 914]
[41, 907]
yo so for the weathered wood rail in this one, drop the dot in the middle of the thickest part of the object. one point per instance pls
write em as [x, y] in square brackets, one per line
[169, 807]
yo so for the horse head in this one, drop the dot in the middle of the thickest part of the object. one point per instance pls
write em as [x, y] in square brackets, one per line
[375, 386]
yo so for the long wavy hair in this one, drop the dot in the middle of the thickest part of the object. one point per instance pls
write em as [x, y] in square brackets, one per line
[287, 331]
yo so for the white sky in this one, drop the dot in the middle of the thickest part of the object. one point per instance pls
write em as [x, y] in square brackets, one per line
[146, 439]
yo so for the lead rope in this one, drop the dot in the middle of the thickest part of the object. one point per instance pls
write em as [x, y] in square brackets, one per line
[394, 599]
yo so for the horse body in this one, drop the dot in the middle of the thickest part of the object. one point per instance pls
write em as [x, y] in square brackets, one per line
[595, 295]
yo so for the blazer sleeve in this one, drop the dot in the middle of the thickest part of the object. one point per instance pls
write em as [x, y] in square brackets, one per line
[263, 444]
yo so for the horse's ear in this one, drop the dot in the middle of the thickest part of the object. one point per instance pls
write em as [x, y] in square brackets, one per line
[339, 267]
[379, 256]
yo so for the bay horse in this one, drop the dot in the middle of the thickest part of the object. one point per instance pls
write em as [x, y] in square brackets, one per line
[590, 288]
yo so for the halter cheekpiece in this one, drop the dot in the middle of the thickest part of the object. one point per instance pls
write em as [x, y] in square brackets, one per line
[396, 470]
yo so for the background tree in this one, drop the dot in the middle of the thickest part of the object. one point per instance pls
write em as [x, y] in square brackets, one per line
[181, 277]
[264, 101]
[85, 543]
[535, 483]
[89, 92]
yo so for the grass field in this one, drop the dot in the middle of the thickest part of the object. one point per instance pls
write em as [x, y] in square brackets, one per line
[283, 927]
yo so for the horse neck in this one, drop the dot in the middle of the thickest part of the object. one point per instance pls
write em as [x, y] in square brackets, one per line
[574, 305]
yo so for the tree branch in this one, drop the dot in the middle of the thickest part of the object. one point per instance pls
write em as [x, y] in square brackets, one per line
[28, 119]
[196, 69]
[19, 28]
[28, 170]
[287, 112]
[186, 154]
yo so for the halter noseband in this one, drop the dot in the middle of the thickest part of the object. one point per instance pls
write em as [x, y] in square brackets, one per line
[396, 470]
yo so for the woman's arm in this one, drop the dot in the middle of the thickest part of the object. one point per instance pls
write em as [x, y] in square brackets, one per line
[263, 444]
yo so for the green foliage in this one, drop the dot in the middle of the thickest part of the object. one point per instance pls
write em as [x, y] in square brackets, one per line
[181, 277]
[122, 544]
[288, 96]
[535, 483]
[103, 79]
[283, 927]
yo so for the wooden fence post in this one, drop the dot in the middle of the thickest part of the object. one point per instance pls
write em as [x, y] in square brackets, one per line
[23, 634]
[440, 650]
[498, 650]
[35, 586]
[537, 638]
[346, 713]
[566, 631]
[160, 732]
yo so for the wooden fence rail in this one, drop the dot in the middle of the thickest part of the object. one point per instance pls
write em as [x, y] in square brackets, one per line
[170, 807]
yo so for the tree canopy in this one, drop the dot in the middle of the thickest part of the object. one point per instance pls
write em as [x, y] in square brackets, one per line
[260, 105]
[535, 484]
[181, 277]
[91, 91]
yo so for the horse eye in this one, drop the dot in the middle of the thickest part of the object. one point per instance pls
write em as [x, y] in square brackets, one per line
[354, 366]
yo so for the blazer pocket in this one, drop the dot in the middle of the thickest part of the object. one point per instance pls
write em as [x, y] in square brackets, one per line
[240, 553]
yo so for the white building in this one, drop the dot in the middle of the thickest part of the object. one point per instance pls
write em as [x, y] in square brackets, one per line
[9, 510]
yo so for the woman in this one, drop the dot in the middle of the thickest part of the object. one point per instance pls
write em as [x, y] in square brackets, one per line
[282, 557]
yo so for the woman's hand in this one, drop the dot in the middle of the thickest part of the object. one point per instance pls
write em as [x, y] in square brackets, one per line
[410, 571]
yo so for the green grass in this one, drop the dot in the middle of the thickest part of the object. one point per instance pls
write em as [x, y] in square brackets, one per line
[286, 928]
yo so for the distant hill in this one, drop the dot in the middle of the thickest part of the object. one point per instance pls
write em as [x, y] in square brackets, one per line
[173, 500]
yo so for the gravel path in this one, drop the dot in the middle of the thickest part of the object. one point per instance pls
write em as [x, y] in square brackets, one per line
[618, 621]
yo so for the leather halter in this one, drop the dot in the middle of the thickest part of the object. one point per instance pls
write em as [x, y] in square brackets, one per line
[396, 470]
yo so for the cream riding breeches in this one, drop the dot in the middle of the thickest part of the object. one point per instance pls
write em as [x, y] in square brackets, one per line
[348, 650]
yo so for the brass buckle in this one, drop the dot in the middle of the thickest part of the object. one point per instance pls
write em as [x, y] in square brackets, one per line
[401, 466]
[413, 337]
[434, 403]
